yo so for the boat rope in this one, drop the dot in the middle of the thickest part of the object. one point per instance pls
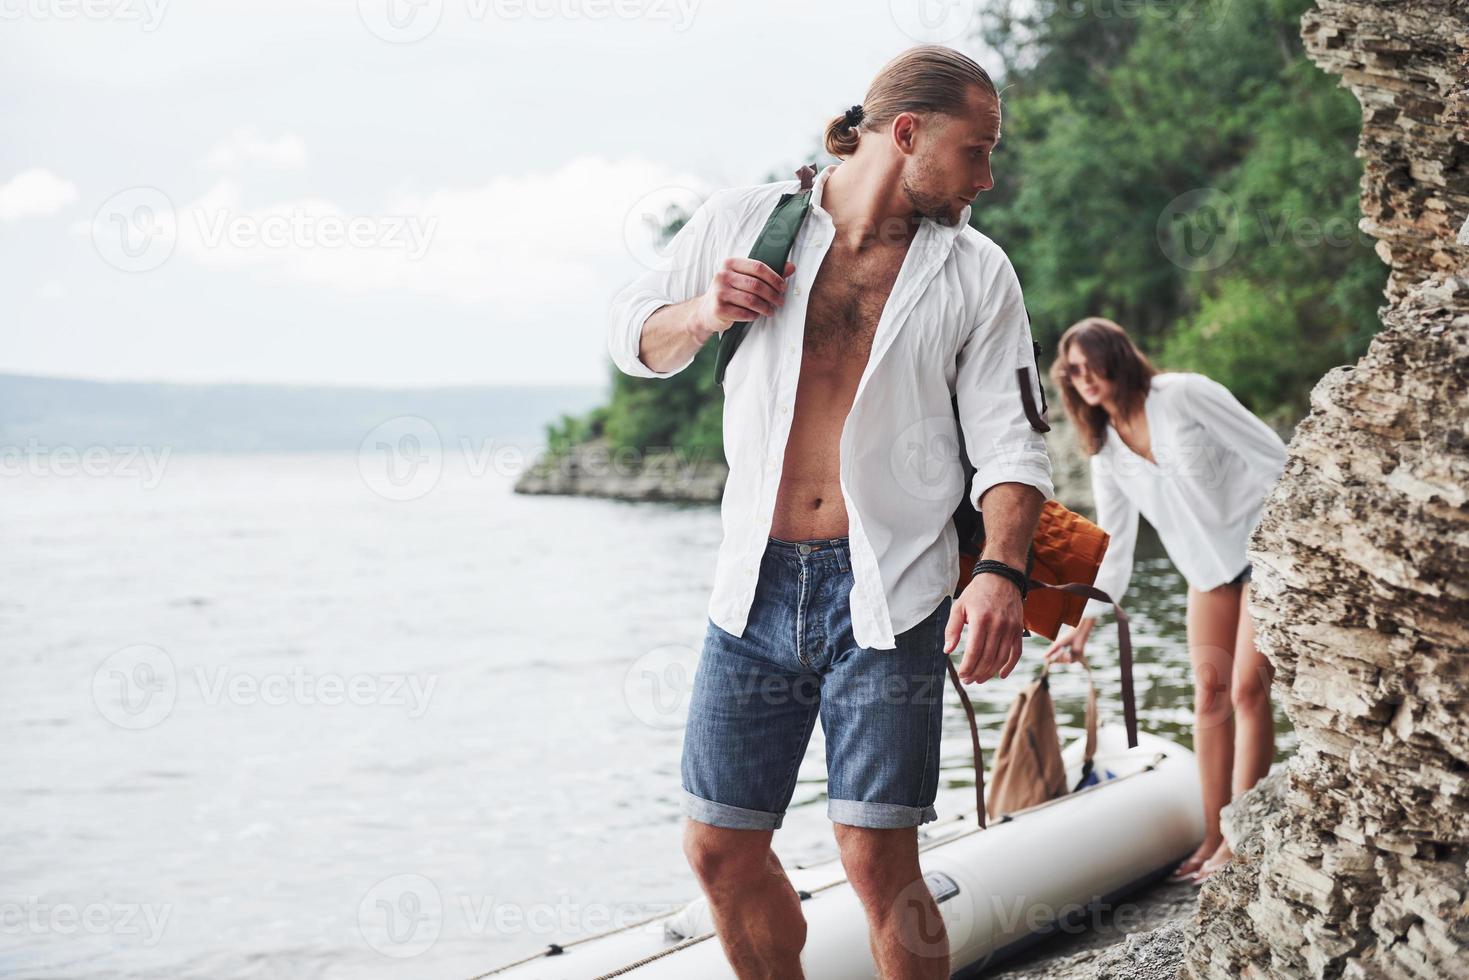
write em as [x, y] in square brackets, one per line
[556, 949]
[656, 956]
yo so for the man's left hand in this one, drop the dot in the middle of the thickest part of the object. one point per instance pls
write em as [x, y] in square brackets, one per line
[992, 607]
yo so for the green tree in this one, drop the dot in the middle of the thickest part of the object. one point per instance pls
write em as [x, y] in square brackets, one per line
[1112, 129]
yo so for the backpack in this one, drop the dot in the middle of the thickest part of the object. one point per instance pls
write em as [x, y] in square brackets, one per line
[1062, 560]
[1028, 765]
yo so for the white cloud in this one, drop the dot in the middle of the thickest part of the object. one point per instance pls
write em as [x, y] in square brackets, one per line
[514, 242]
[246, 146]
[35, 193]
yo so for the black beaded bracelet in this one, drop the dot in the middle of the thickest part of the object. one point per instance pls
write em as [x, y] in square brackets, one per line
[1000, 568]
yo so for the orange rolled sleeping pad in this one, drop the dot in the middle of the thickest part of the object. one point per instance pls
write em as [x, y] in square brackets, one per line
[1067, 548]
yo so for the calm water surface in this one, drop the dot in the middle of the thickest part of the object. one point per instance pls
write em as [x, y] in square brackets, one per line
[262, 721]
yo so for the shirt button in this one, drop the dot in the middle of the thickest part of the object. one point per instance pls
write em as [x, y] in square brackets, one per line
[784, 409]
[798, 290]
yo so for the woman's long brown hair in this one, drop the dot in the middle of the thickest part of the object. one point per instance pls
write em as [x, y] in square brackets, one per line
[1110, 352]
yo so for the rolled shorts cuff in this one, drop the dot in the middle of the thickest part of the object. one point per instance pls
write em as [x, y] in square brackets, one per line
[863, 813]
[728, 815]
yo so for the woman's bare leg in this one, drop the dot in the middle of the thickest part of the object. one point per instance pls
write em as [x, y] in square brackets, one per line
[1213, 621]
[1254, 729]
[1254, 721]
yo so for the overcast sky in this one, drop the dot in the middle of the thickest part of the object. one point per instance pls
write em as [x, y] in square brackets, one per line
[401, 192]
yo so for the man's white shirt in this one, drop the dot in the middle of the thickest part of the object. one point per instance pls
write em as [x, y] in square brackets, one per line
[955, 321]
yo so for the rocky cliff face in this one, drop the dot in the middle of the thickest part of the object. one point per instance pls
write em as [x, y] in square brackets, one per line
[1360, 595]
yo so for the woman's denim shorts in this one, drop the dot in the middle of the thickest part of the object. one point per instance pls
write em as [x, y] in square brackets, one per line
[756, 699]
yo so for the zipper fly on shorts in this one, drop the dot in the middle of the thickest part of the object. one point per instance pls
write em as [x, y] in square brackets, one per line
[811, 572]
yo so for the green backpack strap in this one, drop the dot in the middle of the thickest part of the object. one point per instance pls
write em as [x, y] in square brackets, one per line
[773, 247]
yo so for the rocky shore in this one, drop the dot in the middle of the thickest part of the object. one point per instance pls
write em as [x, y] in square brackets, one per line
[593, 469]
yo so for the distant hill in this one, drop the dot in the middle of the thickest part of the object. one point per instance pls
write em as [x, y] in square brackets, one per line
[229, 418]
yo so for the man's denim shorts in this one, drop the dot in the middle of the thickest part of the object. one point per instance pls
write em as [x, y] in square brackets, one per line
[756, 698]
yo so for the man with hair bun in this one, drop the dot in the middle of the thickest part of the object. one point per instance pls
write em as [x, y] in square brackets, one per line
[834, 588]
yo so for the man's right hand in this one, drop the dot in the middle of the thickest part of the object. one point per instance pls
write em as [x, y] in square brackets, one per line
[1070, 646]
[742, 290]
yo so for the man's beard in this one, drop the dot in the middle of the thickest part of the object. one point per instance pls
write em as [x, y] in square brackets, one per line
[937, 209]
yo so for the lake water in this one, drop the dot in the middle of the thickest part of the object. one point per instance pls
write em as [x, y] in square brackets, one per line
[291, 716]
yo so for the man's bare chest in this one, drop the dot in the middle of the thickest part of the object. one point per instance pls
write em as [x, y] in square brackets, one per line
[847, 300]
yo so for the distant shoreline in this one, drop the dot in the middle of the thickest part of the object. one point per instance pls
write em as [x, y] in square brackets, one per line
[39, 414]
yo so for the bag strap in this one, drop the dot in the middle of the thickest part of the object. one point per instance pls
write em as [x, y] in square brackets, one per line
[773, 247]
[1087, 764]
[974, 737]
[1124, 649]
[1091, 720]
[1129, 704]
[1090, 750]
[1091, 707]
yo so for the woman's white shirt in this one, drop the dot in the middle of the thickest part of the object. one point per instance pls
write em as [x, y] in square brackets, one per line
[1215, 463]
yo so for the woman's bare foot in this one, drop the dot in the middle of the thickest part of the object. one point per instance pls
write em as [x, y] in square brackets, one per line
[1217, 860]
[1186, 870]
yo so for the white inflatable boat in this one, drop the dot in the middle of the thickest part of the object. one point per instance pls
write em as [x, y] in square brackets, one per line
[1000, 889]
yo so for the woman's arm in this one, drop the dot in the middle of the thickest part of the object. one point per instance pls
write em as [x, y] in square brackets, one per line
[1118, 516]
